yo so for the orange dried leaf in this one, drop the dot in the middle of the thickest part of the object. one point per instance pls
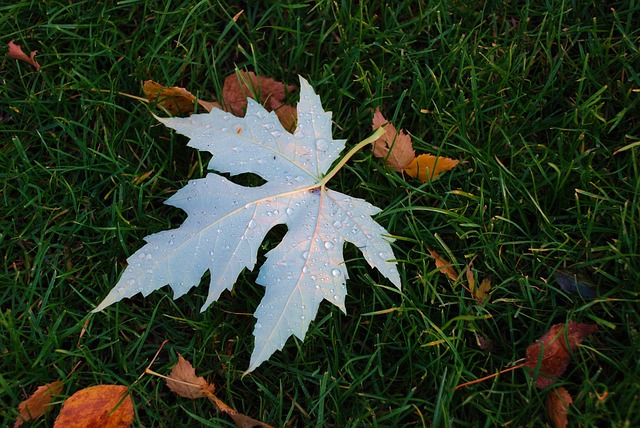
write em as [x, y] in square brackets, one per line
[174, 99]
[552, 351]
[184, 382]
[105, 406]
[445, 267]
[557, 405]
[15, 51]
[396, 148]
[38, 403]
[242, 85]
[428, 167]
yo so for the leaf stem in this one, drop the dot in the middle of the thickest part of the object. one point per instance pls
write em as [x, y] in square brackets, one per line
[373, 137]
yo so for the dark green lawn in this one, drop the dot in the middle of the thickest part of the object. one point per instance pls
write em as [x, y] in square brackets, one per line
[540, 101]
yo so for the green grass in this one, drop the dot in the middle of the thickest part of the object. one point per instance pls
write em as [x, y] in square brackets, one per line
[534, 98]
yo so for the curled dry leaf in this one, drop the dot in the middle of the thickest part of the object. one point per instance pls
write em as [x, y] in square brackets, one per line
[396, 148]
[184, 382]
[38, 403]
[242, 85]
[552, 351]
[174, 99]
[105, 406]
[15, 51]
[445, 267]
[557, 406]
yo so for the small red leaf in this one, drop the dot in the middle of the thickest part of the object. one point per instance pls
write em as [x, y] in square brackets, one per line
[15, 51]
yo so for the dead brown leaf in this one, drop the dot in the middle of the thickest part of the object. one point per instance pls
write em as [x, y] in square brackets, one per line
[184, 382]
[445, 267]
[552, 351]
[174, 99]
[242, 85]
[394, 147]
[38, 403]
[557, 406]
[15, 51]
[105, 406]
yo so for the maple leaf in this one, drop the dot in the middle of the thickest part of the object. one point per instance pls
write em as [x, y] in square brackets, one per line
[396, 148]
[106, 406]
[227, 222]
[38, 403]
[15, 51]
[557, 406]
[552, 351]
[174, 99]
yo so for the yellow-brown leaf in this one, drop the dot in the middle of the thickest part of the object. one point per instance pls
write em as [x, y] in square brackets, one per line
[471, 279]
[482, 292]
[444, 266]
[174, 99]
[428, 167]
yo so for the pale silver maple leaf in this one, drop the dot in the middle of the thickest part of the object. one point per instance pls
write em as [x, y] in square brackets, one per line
[227, 222]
